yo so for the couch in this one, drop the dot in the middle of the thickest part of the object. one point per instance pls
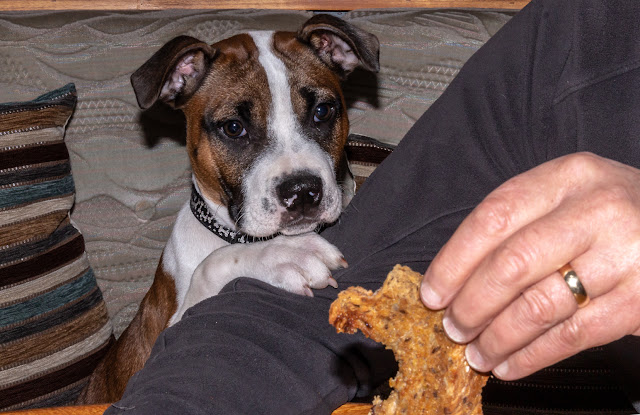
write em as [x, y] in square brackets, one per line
[128, 169]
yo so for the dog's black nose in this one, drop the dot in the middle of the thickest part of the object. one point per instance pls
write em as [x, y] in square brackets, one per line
[300, 193]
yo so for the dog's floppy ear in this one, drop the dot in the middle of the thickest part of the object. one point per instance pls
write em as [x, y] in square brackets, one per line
[341, 45]
[173, 73]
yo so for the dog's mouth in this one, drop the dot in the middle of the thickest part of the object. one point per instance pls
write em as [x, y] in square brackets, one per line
[283, 221]
[297, 225]
[291, 227]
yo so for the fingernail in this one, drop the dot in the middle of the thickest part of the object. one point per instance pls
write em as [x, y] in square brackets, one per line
[502, 370]
[474, 358]
[430, 298]
[452, 331]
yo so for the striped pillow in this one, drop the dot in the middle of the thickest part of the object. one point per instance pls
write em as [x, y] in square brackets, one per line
[365, 154]
[54, 325]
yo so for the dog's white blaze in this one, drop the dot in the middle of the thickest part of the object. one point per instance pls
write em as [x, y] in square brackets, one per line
[283, 125]
[289, 151]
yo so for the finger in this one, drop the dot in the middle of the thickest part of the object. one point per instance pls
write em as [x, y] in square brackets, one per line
[528, 256]
[511, 206]
[537, 310]
[589, 327]
[540, 308]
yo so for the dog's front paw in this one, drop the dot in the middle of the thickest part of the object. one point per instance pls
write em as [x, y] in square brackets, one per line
[299, 263]
[293, 263]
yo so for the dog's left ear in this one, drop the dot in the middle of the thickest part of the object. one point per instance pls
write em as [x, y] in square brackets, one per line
[341, 45]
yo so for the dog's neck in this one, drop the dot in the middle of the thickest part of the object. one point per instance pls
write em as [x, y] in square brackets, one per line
[201, 211]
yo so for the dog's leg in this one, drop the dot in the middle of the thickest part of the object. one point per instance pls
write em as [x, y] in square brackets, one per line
[293, 263]
[133, 347]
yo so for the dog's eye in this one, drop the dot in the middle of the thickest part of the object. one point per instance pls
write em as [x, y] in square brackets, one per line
[323, 112]
[233, 129]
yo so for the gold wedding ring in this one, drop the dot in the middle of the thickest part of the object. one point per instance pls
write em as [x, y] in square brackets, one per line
[576, 287]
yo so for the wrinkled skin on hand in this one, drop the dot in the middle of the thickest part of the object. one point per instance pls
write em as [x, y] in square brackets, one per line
[497, 275]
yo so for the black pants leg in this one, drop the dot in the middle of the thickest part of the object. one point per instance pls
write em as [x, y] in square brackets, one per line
[560, 77]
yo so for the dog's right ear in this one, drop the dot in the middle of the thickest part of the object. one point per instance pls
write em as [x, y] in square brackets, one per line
[173, 73]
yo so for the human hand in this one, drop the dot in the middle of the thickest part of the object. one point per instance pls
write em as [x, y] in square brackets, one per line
[498, 278]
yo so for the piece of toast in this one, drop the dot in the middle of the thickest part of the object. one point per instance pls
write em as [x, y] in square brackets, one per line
[433, 376]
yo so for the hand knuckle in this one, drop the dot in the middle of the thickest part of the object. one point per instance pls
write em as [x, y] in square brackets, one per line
[493, 215]
[538, 308]
[571, 334]
[510, 262]
[613, 202]
[580, 164]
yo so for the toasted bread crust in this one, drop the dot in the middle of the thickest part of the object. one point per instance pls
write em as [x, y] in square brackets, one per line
[433, 376]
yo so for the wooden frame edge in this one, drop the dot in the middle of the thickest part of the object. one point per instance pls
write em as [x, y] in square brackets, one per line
[17, 5]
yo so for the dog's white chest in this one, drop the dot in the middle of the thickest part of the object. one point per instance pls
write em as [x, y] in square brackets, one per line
[190, 243]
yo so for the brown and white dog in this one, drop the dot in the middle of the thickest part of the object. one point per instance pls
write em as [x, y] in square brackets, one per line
[266, 128]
